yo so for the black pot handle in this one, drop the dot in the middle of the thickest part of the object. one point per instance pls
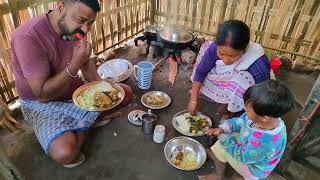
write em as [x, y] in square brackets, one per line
[142, 38]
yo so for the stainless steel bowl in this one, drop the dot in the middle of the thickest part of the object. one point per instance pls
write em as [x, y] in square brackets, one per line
[185, 144]
[166, 100]
[176, 125]
[176, 34]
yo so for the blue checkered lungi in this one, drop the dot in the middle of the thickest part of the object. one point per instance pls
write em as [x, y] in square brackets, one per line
[50, 120]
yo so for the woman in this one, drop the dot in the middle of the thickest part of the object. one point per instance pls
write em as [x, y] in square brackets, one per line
[226, 68]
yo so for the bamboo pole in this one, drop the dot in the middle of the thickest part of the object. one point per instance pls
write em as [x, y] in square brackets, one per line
[174, 12]
[126, 19]
[131, 18]
[152, 11]
[146, 12]
[118, 21]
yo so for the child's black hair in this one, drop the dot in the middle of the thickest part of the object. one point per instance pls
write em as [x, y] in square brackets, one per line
[270, 98]
[237, 32]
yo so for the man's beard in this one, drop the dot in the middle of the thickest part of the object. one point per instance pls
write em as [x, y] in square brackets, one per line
[63, 27]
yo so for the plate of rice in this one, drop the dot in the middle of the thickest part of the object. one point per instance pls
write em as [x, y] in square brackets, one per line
[191, 125]
[98, 96]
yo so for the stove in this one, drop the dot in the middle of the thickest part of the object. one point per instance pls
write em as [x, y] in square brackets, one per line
[169, 45]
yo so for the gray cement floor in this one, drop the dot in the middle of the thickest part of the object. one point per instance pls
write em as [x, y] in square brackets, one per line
[119, 150]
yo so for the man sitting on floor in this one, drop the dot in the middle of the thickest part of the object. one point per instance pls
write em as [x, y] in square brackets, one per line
[46, 58]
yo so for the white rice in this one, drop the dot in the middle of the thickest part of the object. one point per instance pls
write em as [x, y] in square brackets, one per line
[183, 124]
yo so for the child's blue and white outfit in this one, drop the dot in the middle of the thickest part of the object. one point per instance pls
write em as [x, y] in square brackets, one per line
[254, 153]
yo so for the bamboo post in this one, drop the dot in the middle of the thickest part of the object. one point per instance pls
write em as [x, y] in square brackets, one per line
[168, 11]
[15, 12]
[152, 11]
[211, 13]
[207, 15]
[131, 17]
[186, 19]
[194, 12]
[201, 15]
[146, 14]
[174, 12]
[126, 20]
[119, 26]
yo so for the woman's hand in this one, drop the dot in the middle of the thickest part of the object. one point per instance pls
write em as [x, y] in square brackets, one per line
[193, 103]
[214, 131]
[192, 107]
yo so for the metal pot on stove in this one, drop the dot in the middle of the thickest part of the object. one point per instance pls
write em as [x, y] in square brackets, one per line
[176, 37]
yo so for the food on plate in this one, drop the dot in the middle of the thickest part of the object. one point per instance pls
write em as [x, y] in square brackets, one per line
[155, 99]
[195, 125]
[102, 100]
[100, 95]
[185, 160]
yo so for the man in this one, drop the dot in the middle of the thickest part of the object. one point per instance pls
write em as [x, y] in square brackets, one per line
[46, 57]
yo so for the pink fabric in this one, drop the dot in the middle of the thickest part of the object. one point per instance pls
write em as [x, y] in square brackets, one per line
[275, 137]
[274, 162]
[278, 153]
[246, 174]
[230, 85]
[266, 173]
[257, 134]
[255, 143]
[39, 52]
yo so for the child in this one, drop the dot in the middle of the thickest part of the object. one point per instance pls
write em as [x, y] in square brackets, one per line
[254, 142]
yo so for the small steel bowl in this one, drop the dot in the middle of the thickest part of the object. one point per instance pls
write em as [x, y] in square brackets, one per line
[166, 100]
[185, 144]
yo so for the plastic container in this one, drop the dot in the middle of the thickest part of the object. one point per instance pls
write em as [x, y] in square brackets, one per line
[159, 134]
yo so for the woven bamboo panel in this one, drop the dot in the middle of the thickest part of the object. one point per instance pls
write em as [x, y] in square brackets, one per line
[117, 21]
[289, 26]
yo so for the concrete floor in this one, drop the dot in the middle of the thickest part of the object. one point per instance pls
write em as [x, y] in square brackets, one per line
[119, 150]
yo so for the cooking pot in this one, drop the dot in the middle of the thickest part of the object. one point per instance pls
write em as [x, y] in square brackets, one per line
[176, 37]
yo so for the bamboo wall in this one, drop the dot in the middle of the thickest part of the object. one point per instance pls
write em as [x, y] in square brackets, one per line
[117, 21]
[283, 25]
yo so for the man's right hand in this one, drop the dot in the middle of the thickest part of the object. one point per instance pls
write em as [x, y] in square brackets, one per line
[81, 54]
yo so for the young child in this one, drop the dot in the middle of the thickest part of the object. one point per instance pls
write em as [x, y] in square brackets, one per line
[254, 142]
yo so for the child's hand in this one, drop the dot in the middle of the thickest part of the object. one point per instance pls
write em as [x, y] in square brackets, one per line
[214, 131]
